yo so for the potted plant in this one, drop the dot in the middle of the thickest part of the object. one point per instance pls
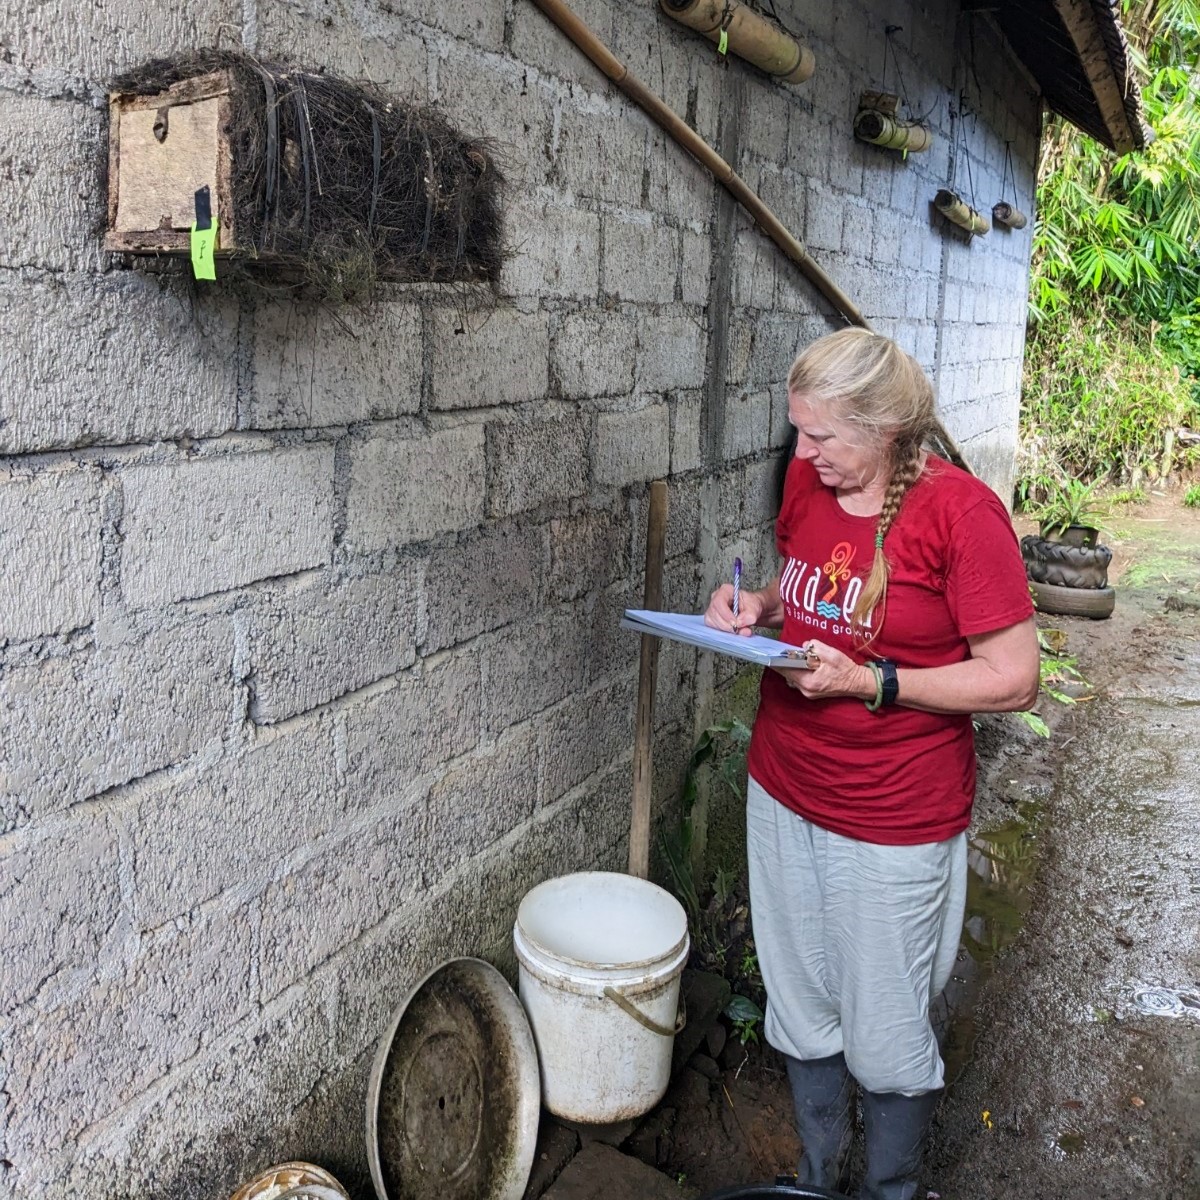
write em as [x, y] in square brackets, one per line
[1069, 515]
[1066, 565]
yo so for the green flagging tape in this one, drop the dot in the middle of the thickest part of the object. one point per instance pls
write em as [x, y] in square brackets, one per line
[204, 243]
[723, 44]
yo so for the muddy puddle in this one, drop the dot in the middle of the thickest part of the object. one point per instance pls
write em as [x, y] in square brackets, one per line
[1002, 864]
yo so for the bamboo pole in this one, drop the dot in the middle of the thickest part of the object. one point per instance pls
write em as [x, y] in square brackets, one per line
[643, 745]
[698, 148]
[1005, 214]
[957, 210]
[748, 35]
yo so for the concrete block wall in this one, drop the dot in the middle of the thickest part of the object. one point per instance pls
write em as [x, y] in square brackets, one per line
[309, 658]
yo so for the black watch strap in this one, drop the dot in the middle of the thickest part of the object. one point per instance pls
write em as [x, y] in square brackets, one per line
[891, 684]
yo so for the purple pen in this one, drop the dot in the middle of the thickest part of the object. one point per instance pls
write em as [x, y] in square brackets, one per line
[737, 587]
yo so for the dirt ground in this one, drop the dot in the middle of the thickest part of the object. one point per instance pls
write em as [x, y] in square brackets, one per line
[1071, 1030]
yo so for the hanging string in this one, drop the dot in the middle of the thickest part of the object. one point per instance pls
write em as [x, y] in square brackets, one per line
[1008, 173]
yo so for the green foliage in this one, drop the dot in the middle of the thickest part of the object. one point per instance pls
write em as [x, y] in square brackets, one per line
[720, 750]
[1192, 496]
[1069, 503]
[746, 1016]
[1113, 358]
[1099, 400]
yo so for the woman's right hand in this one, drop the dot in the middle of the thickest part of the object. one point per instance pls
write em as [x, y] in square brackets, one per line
[719, 614]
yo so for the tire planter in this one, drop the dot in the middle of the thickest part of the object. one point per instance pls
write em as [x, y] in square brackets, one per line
[1065, 565]
[1097, 603]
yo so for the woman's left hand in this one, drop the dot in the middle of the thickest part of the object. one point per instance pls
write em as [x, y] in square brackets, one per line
[835, 674]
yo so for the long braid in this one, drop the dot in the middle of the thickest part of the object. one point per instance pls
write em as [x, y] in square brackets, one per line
[872, 601]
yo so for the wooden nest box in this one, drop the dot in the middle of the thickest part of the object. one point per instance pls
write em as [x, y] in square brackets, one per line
[162, 149]
[310, 177]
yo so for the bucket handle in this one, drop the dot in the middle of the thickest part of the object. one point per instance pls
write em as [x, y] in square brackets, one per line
[627, 1005]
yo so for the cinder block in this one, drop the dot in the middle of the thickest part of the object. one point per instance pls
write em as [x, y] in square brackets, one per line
[315, 367]
[531, 666]
[556, 251]
[810, 153]
[50, 226]
[747, 423]
[532, 463]
[97, 43]
[485, 95]
[478, 21]
[77, 365]
[754, 259]
[655, 50]
[889, 233]
[781, 425]
[764, 132]
[484, 359]
[640, 261]
[117, 713]
[671, 352]
[592, 354]
[408, 489]
[677, 186]
[599, 155]
[311, 644]
[823, 212]
[588, 734]
[427, 717]
[632, 447]
[84, 1059]
[239, 821]
[697, 265]
[488, 580]
[246, 1087]
[587, 552]
[383, 48]
[210, 524]
[775, 346]
[535, 39]
[856, 230]
[353, 885]
[763, 490]
[683, 523]
[50, 545]
[784, 193]
[612, 651]
[477, 802]
[686, 412]
[60, 897]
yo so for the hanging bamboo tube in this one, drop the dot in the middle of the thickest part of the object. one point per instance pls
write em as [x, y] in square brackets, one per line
[892, 133]
[958, 211]
[1005, 214]
[698, 148]
[748, 35]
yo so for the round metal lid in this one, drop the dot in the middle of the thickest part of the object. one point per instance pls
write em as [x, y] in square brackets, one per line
[454, 1094]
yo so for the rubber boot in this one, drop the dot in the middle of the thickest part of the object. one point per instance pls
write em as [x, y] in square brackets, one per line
[823, 1091]
[894, 1127]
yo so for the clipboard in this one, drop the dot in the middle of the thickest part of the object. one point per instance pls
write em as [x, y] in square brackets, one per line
[692, 631]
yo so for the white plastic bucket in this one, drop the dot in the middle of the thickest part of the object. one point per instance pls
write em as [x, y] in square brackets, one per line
[600, 958]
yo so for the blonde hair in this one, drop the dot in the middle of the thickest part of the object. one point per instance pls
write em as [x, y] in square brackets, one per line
[865, 380]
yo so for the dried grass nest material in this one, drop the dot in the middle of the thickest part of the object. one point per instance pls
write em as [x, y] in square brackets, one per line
[338, 184]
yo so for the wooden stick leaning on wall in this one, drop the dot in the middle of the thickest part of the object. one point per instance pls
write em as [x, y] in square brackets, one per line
[682, 133]
[643, 746]
[698, 148]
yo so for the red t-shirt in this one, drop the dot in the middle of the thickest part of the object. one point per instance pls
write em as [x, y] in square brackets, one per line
[898, 776]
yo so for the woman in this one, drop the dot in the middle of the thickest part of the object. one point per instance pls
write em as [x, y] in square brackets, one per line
[902, 577]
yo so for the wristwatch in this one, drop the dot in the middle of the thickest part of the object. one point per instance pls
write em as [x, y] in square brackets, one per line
[891, 685]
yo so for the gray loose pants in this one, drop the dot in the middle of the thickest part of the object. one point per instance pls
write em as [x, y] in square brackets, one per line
[854, 941]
